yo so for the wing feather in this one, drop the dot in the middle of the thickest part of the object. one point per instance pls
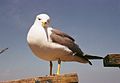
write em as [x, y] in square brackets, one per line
[62, 34]
[66, 40]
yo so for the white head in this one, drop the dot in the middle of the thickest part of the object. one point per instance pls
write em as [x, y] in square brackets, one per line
[43, 19]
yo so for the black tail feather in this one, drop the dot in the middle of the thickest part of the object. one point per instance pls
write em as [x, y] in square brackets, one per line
[86, 59]
[93, 57]
[90, 63]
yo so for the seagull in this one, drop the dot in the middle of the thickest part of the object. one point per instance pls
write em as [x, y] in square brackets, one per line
[52, 44]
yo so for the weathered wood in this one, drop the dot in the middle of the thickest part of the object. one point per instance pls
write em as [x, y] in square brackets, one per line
[66, 78]
[112, 60]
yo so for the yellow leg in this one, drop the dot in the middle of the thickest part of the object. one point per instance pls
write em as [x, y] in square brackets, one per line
[51, 68]
[59, 65]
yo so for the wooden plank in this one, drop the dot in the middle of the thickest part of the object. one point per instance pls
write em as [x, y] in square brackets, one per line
[65, 78]
[112, 60]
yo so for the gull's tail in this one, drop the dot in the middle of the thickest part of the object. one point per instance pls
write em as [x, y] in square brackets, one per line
[87, 56]
[92, 57]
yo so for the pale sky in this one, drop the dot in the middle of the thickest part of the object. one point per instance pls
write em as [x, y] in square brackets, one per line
[95, 25]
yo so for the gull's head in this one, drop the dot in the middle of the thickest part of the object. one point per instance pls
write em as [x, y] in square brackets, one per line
[43, 19]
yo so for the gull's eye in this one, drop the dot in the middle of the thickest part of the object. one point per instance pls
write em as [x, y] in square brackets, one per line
[39, 19]
[48, 21]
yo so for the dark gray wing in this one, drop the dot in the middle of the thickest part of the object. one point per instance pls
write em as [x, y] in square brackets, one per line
[62, 34]
[66, 40]
[62, 38]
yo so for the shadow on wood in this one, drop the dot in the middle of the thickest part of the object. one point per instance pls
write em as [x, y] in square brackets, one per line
[65, 78]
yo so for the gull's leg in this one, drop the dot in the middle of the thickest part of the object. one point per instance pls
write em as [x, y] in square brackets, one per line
[59, 65]
[51, 68]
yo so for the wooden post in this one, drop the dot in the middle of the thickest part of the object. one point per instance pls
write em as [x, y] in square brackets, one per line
[65, 78]
[112, 60]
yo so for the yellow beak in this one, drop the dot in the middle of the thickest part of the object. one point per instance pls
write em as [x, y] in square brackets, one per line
[44, 23]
